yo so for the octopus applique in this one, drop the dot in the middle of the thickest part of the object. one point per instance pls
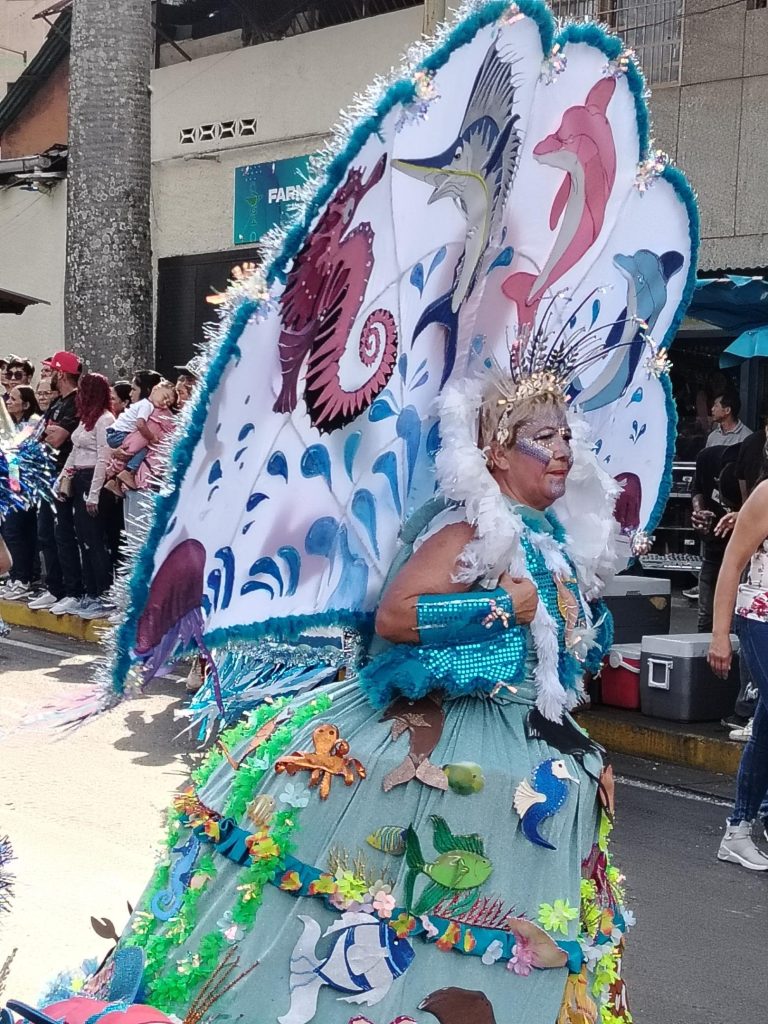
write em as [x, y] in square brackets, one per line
[328, 759]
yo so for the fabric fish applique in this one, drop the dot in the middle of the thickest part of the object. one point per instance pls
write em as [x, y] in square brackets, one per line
[465, 777]
[534, 803]
[461, 866]
[364, 958]
[389, 839]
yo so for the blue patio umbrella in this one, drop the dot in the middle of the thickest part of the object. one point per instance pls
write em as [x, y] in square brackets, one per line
[750, 344]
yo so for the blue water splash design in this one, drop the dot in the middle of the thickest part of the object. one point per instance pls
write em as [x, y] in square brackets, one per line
[637, 431]
[422, 373]
[215, 472]
[321, 537]
[353, 580]
[247, 526]
[316, 462]
[213, 491]
[417, 278]
[386, 464]
[351, 446]
[170, 527]
[251, 585]
[402, 366]
[239, 454]
[380, 410]
[267, 567]
[478, 344]
[227, 559]
[437, 259]
[255, 499]
[214, 585]
[364, 510]
[572, 322]
[433, 440]
[504, 259]
[278, 465]
[245, 430]
[597, 446]
[409, 429]
[595, 312]
[636, 397]
[292, 559]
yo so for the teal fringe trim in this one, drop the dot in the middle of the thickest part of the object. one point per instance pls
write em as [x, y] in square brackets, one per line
[686, 195]
[604, 639]
[611, 45]
[398, 672]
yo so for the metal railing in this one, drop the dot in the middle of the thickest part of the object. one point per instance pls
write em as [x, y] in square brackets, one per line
[652, 28]
[263, 21]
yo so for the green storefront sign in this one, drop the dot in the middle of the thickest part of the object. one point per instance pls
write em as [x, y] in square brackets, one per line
[265, 195]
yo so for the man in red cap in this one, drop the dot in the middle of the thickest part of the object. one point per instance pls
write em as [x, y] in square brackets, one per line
[56, 529]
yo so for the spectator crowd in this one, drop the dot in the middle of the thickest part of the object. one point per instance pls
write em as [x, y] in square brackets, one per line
[108, 439]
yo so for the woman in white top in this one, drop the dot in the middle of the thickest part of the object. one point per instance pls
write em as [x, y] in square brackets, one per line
[81, 481]
[750, 602]
[19, 530]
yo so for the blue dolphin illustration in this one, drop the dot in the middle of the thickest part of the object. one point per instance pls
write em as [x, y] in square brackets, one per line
[647, 277]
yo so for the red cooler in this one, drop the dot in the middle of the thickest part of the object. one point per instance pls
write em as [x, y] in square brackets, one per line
[620, 679]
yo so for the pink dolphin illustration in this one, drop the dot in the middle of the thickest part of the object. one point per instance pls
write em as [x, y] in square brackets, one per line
[583, 147]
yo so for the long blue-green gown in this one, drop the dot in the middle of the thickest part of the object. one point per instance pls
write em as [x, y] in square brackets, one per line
[526, 880]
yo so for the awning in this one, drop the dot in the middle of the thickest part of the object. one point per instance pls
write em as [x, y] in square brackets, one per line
[13, 302]
[734, 303]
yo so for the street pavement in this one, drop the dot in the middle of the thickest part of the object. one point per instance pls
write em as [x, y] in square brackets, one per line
[85, 814]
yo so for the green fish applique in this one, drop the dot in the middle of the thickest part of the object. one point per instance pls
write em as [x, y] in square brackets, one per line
[460, 867]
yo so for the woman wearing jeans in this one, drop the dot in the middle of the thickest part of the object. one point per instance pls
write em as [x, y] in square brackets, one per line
[750, 601]
[81, 482]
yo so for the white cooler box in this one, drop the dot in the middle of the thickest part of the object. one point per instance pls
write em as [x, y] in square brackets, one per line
[640, 605]
[677, 683]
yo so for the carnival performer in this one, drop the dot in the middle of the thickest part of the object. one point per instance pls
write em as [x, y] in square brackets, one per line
[410, 825]
[445, 814]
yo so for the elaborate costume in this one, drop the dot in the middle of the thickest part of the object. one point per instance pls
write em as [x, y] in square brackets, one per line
[416, 829]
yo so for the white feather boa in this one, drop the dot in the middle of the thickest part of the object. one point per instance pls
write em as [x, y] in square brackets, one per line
[586, 512]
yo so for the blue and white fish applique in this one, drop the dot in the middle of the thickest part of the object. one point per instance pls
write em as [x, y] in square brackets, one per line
[364, 959]
[534, 803]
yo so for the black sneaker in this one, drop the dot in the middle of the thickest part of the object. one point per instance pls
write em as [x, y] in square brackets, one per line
[734, 721]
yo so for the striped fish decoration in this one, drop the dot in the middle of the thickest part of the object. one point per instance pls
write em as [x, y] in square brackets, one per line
[388, 839]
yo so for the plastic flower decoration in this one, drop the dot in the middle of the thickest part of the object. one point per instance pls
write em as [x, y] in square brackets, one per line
[350, 887]
[325, 885]
[261, 846]
[231, 931]
[403, 925]
[295, 795]
[522, 959]
[493, 953]
[383, 902]
[554, 917]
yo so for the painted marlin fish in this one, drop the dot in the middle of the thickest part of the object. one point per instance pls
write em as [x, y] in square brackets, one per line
[647, 277]
[364, 959]
[476, 172]
[461, 866]
[583, 147]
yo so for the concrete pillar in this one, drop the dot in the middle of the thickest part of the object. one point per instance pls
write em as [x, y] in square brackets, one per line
[434, 13]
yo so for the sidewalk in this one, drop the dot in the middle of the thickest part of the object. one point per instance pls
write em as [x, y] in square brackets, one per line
[16, 613]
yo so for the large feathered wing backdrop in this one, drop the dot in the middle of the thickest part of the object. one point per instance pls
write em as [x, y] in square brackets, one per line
[505, 178]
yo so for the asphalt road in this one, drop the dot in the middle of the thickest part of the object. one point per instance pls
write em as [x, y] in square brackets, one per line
[85, 814]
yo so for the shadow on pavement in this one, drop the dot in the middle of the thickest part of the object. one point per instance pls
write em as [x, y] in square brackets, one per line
[159, 739]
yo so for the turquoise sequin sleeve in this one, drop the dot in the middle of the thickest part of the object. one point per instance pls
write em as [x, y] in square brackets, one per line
[463, 617]
[469, 661]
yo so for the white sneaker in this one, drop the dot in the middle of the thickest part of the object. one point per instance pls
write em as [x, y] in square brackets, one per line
[42, 603]
[16, 591]
[737, 846]
[743, 735]
[93, 608]
[66, 606]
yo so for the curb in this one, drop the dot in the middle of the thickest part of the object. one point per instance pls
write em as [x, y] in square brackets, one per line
[692, 745]
[16, 613]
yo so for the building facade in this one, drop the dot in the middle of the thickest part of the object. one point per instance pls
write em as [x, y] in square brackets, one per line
[231, 91]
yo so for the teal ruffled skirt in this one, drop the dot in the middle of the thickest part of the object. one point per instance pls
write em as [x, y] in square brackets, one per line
[417, 861]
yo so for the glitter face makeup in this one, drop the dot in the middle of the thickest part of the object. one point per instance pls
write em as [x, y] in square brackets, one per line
[547, 440]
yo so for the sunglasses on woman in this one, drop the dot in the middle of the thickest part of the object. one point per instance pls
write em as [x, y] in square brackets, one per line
[15, 374]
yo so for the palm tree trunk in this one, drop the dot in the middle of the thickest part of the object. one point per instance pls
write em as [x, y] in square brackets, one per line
[108, 288]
